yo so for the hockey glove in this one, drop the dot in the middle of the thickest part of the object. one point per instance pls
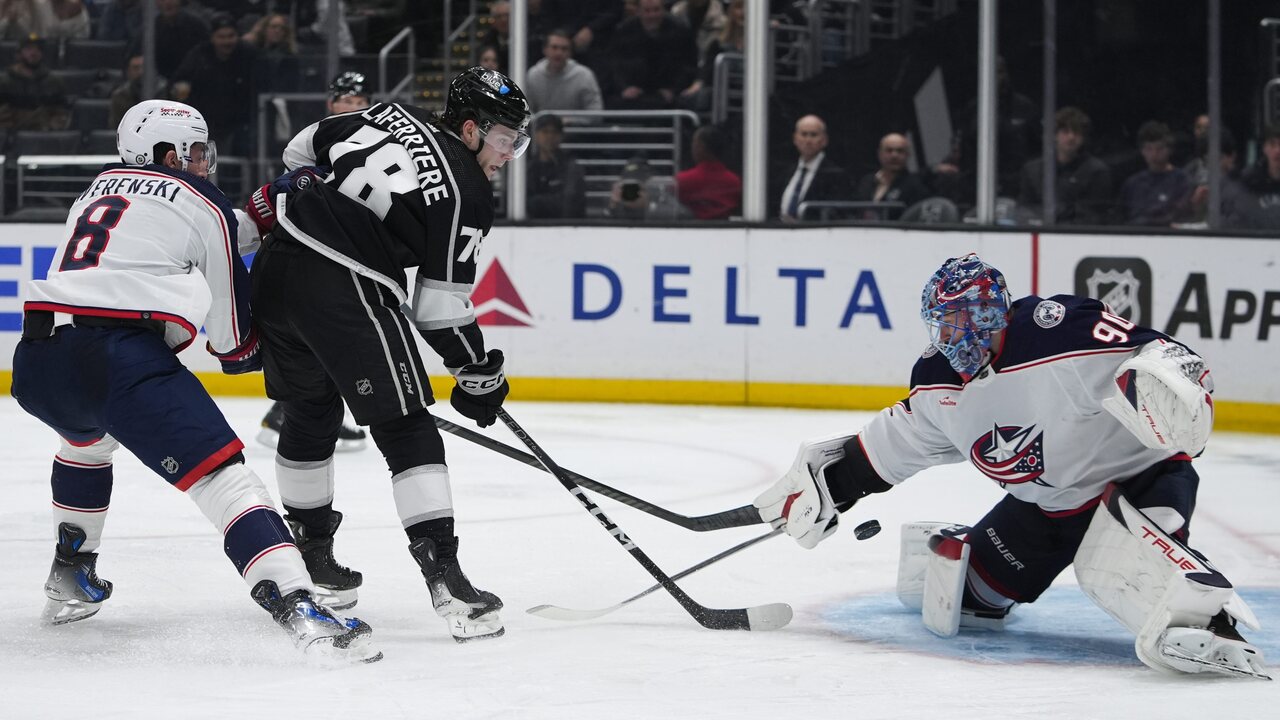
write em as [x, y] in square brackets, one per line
[1164, 397]
[481, 389]
[801, 501]
[245, 358]
[262, 204]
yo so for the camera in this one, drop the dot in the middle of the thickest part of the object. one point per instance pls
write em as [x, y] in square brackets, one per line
[630, 190]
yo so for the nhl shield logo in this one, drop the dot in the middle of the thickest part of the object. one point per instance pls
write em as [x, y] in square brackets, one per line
[364, 387]
[1124, 284]
[170, 465]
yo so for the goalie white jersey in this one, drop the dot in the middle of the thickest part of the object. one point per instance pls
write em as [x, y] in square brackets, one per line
[1032, 421]
[157, 244]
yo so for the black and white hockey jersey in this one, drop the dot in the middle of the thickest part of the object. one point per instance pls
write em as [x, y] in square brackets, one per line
[1032, 421]
[402, 193]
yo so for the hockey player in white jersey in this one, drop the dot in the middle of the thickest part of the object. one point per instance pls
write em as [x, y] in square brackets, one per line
[401, 189]
[1089, 422]
[150, 256]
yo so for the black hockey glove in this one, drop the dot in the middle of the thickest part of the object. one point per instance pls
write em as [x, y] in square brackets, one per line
[245, 358]
[481, 389]
[262, 204]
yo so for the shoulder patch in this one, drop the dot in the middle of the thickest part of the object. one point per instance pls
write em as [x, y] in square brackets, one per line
[1049, 313]
[929, 351]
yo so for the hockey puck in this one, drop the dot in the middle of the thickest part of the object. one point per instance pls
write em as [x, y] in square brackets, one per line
[868, 529]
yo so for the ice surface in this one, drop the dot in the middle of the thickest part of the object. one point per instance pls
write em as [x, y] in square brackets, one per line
[181, 638]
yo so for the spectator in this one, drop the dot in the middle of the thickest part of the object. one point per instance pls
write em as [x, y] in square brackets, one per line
[558, 82]
[893, 182]
[1017, 139]
[591, 24]
[317, 33]
[1197, 168]
[638, 194]
[1082, 189]
[498, 36]
[217, 78]
[709, 190]
[731, 39]
[177, 31]
[1161, 193]
[814, 178]
[489, 58]
[1259, 207]
[32, 98]
[706, 18]
[46, 18]
[274, 39]
[654, 58]
[557, 188]
[1232, 191]
[121, 21]
[128, 93]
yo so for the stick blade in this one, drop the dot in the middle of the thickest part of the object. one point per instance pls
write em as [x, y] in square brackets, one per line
[555, 612]
[769, 617]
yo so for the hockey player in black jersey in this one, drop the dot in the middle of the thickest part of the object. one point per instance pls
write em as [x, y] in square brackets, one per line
[1089, 422]
[399, 189]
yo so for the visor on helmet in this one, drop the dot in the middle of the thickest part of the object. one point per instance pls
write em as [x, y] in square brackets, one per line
[505, 140]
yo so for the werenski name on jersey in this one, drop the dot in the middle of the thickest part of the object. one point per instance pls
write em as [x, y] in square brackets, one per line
[132, 186]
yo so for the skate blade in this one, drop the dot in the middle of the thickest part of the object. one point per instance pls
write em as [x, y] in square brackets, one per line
[1192, 664]
[336, 599]
[323, 653]
[465, 629]
[61, 612]
[460, 639]
[268, 437]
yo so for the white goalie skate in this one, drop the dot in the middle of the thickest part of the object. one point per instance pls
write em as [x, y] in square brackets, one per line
[1217, 649]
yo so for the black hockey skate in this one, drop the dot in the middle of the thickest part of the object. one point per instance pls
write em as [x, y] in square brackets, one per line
[350, 438]
[74, 589]
[315, 631]
[335, 584]
[470, 613]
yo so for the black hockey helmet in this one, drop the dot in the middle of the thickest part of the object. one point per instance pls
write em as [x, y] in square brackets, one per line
[489, 98]
[348, 84]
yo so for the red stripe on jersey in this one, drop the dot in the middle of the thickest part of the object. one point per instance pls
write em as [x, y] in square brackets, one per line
[264, 553]
[120, 314]
[227, 244]
[923, 388]
[209, 463]
[73, 443]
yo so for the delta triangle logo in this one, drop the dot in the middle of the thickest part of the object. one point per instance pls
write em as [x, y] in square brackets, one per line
[496, 299]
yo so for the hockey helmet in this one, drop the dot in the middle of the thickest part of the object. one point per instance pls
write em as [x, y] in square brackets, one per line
[962, 304]
[489, 98]
[348, 84]
[152, 122]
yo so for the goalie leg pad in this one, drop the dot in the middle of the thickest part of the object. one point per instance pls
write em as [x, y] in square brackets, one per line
[913, 558]
[1159, 589]
[944, 584]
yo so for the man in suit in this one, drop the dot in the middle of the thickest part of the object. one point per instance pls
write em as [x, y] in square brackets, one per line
[815, 177]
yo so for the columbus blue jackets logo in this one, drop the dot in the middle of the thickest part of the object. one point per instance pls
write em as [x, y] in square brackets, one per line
[1010, 455]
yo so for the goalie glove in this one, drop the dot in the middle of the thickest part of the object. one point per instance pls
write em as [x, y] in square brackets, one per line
[801, 502]
[262, 204]
[1164, 397]
[481, 389]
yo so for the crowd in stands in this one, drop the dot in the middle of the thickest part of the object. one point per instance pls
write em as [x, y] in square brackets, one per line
[628, 55]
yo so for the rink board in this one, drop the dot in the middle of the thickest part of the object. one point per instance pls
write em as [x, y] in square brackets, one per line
[821, 317]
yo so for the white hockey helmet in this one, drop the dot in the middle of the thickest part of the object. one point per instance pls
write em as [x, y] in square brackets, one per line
[151, 122]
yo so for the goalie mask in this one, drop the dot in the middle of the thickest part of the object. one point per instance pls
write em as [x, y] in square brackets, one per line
[490, 99]
[964, 302]
[153, 122]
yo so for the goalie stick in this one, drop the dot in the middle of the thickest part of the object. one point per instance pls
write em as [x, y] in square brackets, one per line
[737, 517]
[555, 612]
[760, 617]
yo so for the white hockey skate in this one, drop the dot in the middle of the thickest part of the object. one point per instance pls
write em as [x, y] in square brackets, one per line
[470, 613]
[1218, 648]
[75, 592]
[315, 631]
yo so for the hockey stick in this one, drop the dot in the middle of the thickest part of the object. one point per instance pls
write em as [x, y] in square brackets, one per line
[737, 517]
[555, 612]
[761, 617]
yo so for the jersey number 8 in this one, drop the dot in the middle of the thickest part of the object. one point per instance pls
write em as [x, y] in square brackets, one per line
[92, 233]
